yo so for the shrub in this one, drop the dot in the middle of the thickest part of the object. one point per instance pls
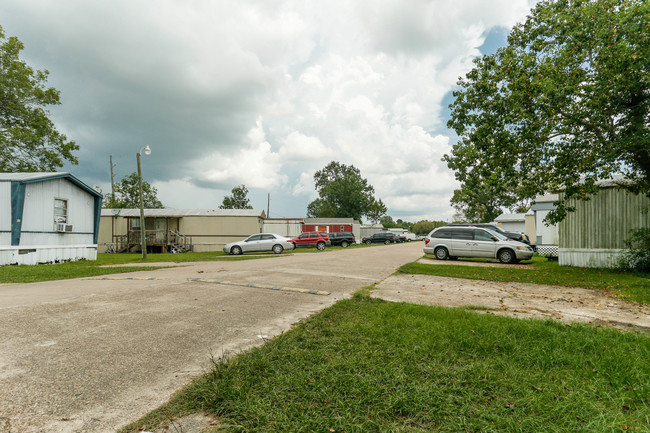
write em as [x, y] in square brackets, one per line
[637, 255]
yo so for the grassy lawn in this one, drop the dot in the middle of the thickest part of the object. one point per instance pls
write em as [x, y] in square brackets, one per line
[366, 365]
[630, 286]
[85, 268]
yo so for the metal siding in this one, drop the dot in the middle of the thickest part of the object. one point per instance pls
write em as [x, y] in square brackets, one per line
[38, 214]
[602, 223]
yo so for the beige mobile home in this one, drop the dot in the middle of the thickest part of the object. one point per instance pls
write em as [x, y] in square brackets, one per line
[171, 230]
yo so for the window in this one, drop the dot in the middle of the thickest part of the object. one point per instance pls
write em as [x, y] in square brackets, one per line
[304, 236]
[342, 229]
[462, 234]
[442, 234]
[60, 211]
[254, 238]
[267, 237]
[481, 235]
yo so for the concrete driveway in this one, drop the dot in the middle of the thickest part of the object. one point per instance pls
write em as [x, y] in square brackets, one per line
[91, 355]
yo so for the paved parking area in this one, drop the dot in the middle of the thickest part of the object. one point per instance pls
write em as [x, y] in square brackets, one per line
[90, 355]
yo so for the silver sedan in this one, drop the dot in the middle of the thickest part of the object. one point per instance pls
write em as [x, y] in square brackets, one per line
[259, 242]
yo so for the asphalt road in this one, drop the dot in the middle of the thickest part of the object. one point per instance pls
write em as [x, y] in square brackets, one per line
[91, 355]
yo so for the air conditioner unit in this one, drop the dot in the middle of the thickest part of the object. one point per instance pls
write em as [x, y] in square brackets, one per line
[63, 227]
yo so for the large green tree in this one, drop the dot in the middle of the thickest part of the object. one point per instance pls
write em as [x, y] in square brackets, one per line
[343, 193]
[238, 199]
[127, 195]
[28, 139]
[566, 103]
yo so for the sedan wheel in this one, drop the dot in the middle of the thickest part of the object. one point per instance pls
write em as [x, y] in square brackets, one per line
[277, 249]
[344, 244]
[320, 246]
[507, 256]
[441, 253]
[235, 250]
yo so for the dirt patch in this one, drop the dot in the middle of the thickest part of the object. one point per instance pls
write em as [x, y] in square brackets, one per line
[568, 304]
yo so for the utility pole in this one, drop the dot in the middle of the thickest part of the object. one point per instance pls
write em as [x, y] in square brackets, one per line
[268, 206]
[112, 179]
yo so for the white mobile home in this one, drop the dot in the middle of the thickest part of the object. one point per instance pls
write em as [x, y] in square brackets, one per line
[47, 218]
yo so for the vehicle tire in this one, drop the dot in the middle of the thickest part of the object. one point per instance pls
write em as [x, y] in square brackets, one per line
[387, 242]
[441, 253]
[507, 256]
[344, 244]
[408, 240]
[235, 250]
[277, 249]
[320, 246]
[368, 242]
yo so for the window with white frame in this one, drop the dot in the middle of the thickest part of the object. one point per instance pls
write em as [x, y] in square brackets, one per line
[60, 210]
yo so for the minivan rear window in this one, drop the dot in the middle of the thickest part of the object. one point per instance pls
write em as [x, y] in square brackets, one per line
[442, 234]
[462, 233]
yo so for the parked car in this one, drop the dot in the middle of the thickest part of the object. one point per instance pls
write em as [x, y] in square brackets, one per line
[451, 242]
[383, 237]
[312, 239]
[259, 242]
[521, 237]
[343, 239]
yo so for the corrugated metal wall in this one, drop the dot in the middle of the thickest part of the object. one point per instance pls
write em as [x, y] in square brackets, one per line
[604, 221]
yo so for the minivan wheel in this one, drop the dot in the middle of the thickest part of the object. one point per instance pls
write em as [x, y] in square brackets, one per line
[320, 246]
[277, 249]
[441, 253]
[344, 244]
[507, 256]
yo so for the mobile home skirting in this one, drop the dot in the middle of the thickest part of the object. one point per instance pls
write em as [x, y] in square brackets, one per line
[589, 257]
[37, 254]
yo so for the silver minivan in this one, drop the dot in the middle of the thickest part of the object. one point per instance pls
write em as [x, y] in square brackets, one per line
[452, 242]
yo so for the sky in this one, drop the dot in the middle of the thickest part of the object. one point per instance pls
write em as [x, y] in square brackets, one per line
[262, 93]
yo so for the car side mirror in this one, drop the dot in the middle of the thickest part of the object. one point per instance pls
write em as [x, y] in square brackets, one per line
[494, 239]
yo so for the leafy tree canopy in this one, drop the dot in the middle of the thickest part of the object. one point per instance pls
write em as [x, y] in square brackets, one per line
[127, 195]
[238, 199]
[565, 104]
[424, 227]
[343, 193]
[28, 139]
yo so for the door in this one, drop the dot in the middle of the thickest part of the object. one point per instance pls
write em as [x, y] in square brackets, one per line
[252, 243]
[462, 241]
[484, 244]
[267, 242]
[302, 240]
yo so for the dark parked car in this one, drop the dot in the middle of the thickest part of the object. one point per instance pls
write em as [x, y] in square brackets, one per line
[383, 238]
[512, 235]
[343, 239]
[312, 239]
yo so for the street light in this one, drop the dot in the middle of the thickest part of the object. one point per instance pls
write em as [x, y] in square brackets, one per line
[143, 238]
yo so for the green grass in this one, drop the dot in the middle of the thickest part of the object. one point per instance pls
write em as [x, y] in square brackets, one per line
[629, 286]
[366, 365]
[86, 268]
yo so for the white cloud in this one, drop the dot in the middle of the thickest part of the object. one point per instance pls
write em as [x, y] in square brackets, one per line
[358, 82]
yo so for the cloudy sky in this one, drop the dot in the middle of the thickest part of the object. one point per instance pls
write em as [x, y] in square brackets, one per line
[262, 93]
